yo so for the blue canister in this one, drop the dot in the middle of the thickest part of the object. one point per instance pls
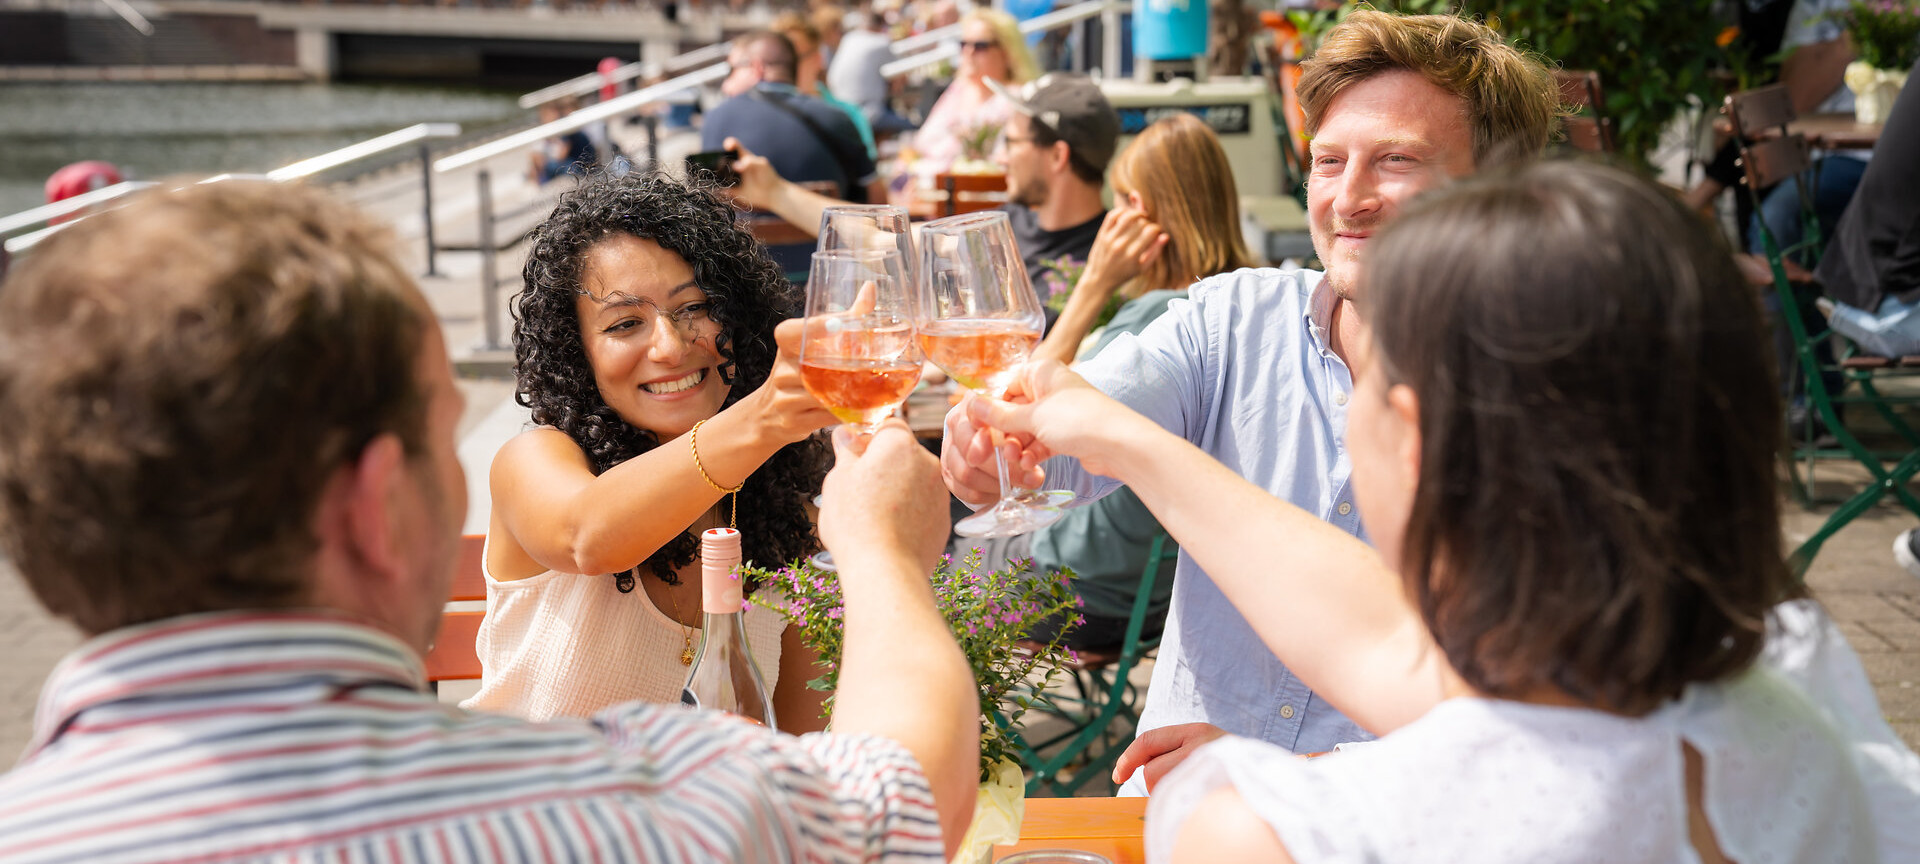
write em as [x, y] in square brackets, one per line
[1169, 29]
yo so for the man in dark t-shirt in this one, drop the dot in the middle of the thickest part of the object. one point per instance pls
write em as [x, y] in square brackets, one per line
[807, 140]
[1055, 149]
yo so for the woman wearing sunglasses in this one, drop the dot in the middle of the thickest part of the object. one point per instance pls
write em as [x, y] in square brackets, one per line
[991, 47]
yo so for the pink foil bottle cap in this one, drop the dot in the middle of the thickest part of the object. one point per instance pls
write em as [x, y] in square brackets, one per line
[720, 589]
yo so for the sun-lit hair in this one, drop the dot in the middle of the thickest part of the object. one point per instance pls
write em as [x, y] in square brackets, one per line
[1006, 34]
[790, 24]
[1512, 102]
[1181, 172]
[182, 379]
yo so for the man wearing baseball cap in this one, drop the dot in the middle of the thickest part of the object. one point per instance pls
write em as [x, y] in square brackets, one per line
[1055, 150]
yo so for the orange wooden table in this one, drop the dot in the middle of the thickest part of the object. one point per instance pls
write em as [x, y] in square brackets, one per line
[1109, 826]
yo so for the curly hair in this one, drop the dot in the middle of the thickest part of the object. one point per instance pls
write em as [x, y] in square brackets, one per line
[747, 295]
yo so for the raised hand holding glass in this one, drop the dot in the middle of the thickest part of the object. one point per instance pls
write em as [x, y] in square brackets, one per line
[979, 320]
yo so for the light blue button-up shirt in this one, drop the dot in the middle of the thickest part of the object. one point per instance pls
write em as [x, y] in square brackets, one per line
[1245, 370]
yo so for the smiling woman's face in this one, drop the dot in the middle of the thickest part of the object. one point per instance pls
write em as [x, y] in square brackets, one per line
[649, 336]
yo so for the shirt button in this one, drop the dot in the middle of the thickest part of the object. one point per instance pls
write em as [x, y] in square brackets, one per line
[1339, 398]
[1286, 712]
[1345, 508]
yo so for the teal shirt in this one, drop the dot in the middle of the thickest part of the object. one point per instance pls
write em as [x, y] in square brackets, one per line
[1107, 541]
[859, 117]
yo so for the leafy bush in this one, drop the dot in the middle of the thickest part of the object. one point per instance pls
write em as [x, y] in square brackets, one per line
[991, 613]
[1886, 33]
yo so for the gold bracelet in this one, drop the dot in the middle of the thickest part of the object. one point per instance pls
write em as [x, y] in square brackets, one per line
[693, 442]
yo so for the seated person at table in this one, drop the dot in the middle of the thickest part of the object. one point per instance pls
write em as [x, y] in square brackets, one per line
[811, 141]
[231, 462]
[1872, 267]
[809, 70]
[1176, 218]
[648, 314]
[1592, 648]
[1254, 368]
[991, 48]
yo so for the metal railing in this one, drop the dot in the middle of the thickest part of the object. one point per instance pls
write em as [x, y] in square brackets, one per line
[417, 134]
[1108, 11]
[644, 69]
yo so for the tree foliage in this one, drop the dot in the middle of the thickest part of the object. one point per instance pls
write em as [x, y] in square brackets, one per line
[1652, 55]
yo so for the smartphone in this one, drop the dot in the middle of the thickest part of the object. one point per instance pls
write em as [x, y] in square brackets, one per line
[718, 162]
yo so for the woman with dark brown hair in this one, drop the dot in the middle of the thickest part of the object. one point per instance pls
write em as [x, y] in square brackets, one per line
[1584, 641]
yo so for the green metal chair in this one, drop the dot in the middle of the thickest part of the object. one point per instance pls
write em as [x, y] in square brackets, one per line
[1771, 154]
[1103, 695]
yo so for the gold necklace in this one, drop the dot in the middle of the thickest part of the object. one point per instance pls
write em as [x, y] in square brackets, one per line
[686, 650]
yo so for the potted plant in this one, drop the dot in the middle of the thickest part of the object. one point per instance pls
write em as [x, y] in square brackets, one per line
[1886, 41]
[992, 612]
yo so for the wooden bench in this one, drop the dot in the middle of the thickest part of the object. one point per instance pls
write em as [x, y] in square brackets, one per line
[453, 657]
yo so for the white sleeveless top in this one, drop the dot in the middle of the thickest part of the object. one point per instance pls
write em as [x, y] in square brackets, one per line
[566, 645]
[1794, 773]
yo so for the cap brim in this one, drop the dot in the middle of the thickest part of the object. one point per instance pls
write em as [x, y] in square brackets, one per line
[1012, 98]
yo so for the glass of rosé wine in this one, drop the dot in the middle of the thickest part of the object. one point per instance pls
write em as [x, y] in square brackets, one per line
[979, 320]
[858, 355]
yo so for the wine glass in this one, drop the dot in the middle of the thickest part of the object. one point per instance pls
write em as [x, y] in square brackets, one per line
[857, 352]
[979, 319]
[867, 226]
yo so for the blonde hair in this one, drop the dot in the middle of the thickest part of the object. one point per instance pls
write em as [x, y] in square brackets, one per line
[791, 23]
[1513, 104]
[1181, 172]
[1006, 34]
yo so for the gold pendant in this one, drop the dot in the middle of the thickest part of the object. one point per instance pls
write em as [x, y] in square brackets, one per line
[686, 654]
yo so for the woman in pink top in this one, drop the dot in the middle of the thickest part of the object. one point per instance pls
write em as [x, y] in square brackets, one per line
[648, 318]
[991, 47]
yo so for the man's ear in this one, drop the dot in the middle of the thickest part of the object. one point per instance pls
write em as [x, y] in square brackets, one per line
[1060, 157]
[371, 498]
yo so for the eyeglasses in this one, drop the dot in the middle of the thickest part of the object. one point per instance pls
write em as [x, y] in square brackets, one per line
[979, 45]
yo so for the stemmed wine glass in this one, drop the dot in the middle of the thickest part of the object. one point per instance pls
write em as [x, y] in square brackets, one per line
[857, 351]
[979, 320]
[867, 226]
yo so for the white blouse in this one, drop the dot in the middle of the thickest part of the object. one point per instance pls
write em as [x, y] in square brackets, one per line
[1799, 767]
[566, 645]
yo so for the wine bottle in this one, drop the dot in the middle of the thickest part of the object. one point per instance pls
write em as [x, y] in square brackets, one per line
[724, 676]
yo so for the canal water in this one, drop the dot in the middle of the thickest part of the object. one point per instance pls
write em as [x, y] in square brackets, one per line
[153, 130]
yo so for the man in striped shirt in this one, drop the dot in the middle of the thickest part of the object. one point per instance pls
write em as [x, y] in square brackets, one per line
[230, 458]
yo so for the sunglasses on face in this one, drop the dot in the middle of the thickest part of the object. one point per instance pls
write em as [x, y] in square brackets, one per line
[981, 45]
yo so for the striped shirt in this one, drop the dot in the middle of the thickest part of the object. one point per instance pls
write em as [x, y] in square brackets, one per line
[307, 738]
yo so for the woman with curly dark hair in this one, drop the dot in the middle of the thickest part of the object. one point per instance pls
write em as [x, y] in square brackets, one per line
[645, 343]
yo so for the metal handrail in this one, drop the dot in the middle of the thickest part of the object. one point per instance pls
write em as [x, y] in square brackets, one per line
[45, 212]
[1039, 23]
[645, 68]
[414, 134]
[618, 105]
[922, 40]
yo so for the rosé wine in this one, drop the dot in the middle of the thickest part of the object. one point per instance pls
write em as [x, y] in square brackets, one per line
[863, 392]
[979, 353]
